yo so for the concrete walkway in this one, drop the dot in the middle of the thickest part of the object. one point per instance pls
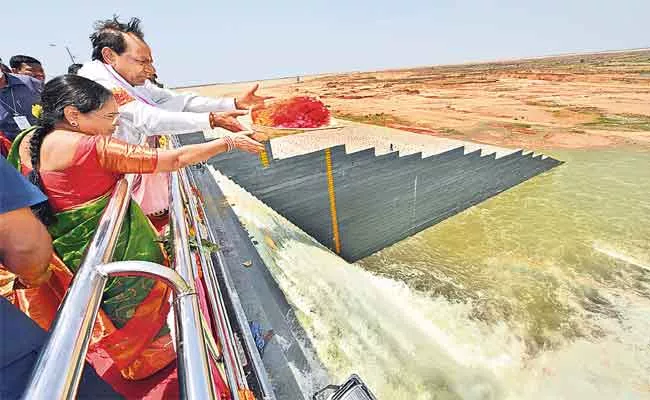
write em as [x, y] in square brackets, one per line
[357, 136]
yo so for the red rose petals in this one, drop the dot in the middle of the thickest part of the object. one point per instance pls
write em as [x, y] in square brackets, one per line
[296, 112]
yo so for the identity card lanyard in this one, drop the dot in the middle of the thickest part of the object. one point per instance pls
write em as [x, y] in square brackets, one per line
[20, 120]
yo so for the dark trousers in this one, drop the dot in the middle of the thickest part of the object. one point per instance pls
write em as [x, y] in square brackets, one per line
[21, 340]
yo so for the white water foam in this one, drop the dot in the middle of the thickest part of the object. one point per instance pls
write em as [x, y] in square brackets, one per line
[614, 253]
[407, 345]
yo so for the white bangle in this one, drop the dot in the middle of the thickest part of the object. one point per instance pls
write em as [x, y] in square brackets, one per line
[230, 144]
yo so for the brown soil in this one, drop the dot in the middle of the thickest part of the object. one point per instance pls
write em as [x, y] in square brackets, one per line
[578, 101]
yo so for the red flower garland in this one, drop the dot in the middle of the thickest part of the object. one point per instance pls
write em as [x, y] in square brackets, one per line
[122, 97]
[296, 112]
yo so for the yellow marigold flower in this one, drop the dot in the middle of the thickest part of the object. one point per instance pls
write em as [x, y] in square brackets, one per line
[162, 141]
[37, 110]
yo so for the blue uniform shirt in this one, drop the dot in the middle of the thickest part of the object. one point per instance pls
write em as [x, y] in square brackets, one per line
[18, 97]
[20, 338]
[15, 190]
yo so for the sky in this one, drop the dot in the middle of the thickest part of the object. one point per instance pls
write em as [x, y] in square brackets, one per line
[203, 41]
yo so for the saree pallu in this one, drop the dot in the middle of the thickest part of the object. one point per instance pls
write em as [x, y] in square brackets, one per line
[130, 327]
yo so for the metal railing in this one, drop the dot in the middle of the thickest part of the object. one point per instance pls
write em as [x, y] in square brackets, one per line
[235, 375]
[196, 379]
[234, 371]
[60, 364]
[71, 331]
[216, 295]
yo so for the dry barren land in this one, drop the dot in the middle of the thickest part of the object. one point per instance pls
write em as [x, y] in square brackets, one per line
[576, 101]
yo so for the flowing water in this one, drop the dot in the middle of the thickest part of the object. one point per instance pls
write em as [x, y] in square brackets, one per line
[542, 292]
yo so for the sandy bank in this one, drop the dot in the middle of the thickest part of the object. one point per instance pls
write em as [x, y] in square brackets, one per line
[576, 101]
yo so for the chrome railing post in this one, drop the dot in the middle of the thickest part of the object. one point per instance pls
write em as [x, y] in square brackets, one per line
[193, 366]
[148, 270]
[233, 368]
[59, 366]
[58, 369]
[216, 296]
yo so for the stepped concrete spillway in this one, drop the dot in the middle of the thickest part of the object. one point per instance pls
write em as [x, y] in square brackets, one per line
[355, 194]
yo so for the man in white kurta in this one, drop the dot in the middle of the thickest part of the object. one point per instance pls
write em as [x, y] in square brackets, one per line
[122, 62]
[148, 110]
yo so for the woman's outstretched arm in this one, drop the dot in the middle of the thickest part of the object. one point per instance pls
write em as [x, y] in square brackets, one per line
[121, 157]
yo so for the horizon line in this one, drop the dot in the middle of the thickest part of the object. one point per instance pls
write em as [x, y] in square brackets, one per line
[475, 62]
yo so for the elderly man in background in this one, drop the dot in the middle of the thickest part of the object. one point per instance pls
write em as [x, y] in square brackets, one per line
[26, 65]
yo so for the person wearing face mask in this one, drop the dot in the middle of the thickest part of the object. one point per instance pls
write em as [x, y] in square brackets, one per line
[74, 159]
[18, 93]
[26, 65]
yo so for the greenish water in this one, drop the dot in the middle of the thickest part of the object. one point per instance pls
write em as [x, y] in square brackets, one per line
[544, 253]
[542, 292]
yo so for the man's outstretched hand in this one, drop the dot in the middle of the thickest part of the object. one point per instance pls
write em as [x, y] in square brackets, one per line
[250, 99]
[227, 120]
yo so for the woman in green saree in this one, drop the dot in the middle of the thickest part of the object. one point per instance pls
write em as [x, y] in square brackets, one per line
[72, 157]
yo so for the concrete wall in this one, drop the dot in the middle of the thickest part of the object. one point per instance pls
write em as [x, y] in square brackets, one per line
[380, 200]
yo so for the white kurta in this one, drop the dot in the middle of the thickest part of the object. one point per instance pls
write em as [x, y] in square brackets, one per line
[169, 112]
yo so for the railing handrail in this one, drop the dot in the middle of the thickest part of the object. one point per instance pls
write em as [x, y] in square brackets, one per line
[60, 364]
[196, 379]
[215, 295]
[232, 366]
[148, 270]
[66, 347]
